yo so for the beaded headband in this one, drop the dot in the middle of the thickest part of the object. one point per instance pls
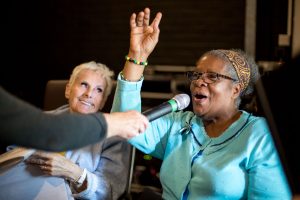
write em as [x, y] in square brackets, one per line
[240, 65]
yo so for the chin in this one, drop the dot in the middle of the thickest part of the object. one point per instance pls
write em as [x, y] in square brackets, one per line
[198, 113]
[85, 111]
[198, 110]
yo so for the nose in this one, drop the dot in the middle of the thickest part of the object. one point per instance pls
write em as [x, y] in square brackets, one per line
[199, 82]
[88, 93]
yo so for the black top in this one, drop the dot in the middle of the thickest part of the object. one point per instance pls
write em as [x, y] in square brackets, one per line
[25, 125]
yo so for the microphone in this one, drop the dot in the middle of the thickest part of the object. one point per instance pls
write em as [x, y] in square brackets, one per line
[178, 102]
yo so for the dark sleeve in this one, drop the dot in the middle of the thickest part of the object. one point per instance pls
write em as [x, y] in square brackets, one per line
[25, 125]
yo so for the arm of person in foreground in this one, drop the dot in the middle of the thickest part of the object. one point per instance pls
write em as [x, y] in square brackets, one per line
[25, 125]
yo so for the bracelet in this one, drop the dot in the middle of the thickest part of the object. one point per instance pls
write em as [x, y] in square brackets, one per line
[81, 178]
[125, 79]
[127, 58]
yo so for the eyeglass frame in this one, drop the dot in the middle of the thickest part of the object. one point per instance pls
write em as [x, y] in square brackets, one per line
[190, 74]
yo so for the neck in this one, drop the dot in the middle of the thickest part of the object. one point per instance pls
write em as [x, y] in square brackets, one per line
[216, 126]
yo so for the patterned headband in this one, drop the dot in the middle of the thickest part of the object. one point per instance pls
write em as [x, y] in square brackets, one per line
[240, 65]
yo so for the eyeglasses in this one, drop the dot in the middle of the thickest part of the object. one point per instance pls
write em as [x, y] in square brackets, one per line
[207, 77]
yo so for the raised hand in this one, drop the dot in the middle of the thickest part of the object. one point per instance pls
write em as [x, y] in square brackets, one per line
[143, 36]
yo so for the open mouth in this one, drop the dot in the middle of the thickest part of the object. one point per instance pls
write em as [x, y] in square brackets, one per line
[200, 96]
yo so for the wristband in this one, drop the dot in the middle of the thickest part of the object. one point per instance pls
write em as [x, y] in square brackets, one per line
[127, 58]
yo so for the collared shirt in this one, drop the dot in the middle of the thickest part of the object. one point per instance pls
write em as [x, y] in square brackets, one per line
[107, 163]
[242, 163]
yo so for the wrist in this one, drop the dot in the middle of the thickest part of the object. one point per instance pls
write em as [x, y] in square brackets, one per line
[135, 61]
[138, 56]
[79, 180]
[133, 69]
[125, 79]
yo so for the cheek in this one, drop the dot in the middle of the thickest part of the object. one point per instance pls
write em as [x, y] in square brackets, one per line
[192, 87]
[98, 101]
[222, 92]
[75, 92]
[72, 98]
[73, 105]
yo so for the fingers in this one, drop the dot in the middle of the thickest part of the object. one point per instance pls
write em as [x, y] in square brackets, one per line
[155, 26]
[144, 124]
[41, 154]
[146, 17]
[156, 21]
[132, 21]
[44, 165]
[37, 161]
[139, 123]
[143, 19]
[140, 19]
[126, 124]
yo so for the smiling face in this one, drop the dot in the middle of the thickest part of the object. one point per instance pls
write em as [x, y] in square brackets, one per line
[215, 99]
[86, 94]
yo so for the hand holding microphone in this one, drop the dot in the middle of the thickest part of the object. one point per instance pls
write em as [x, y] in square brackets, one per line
[178, 102]
[130, 123]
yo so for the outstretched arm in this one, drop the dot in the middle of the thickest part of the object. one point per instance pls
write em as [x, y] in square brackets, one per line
[25, 125]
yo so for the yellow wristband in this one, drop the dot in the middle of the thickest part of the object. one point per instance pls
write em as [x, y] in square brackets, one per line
[127, 58]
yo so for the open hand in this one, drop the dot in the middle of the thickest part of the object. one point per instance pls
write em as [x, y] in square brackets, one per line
[143, 36]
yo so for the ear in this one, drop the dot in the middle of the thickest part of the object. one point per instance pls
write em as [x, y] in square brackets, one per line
[67, 91]
[236, 90]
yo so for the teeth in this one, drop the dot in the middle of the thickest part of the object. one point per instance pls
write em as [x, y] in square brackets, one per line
[86, 103]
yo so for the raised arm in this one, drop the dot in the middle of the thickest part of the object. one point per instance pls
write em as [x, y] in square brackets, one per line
[143, 39]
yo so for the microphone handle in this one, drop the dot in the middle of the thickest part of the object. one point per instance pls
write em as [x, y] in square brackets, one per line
[158, 111]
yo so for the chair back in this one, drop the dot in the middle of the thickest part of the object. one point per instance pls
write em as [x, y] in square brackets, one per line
[55, 94]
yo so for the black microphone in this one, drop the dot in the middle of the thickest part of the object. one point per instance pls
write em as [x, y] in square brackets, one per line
[178, 102]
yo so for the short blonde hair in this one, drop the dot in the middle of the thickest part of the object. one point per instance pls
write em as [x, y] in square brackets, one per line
[98, 68]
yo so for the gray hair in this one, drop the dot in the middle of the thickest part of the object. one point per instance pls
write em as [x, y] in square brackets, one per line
[254, 71]
[99, 68]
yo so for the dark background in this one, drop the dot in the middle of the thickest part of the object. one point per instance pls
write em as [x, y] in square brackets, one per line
[43, 40]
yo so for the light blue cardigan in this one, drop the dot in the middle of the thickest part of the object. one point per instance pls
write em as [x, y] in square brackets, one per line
[242, 163]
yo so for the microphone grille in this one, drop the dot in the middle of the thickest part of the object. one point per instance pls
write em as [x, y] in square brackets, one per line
[183, 100]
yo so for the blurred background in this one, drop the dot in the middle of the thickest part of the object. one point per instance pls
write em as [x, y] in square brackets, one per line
[45, 40]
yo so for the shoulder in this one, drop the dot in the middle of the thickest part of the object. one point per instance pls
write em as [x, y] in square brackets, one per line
[258, 123]
[60, 110]
[257, 129]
